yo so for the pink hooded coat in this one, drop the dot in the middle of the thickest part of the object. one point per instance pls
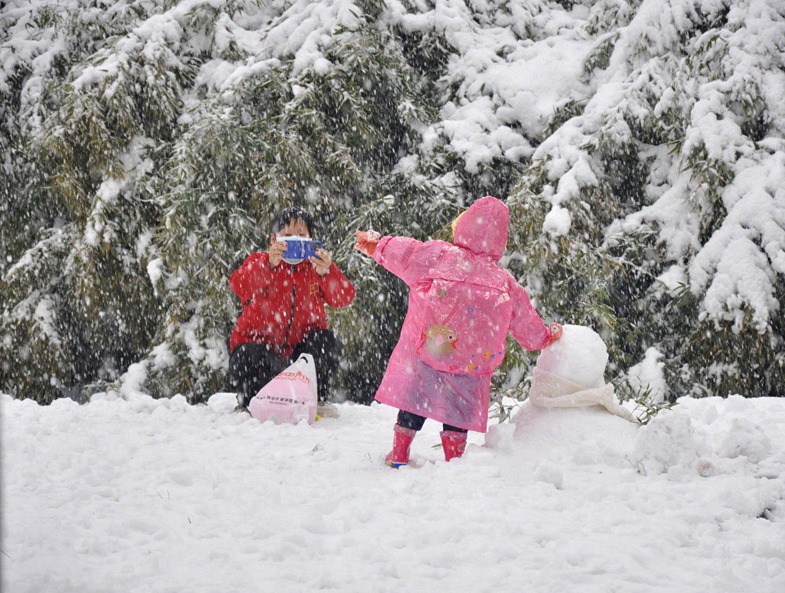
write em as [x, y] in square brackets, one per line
[462, 304]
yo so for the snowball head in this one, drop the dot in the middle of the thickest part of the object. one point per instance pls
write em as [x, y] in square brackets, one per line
[579, 355]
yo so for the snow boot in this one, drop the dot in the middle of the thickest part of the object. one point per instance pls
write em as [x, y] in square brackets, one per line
[453, 443]
[242, 404]
[402, 440]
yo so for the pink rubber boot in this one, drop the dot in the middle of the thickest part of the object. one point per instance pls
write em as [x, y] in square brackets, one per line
[453, 443]
[402, 440]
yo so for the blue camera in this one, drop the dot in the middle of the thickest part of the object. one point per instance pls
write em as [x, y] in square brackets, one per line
[298, 249]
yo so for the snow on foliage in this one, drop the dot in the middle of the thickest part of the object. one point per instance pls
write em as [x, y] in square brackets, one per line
[640, 145]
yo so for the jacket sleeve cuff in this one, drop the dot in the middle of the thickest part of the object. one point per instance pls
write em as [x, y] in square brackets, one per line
[378, 254]
[338, 291]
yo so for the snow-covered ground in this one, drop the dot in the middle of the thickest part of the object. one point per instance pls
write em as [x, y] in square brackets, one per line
[139, 495]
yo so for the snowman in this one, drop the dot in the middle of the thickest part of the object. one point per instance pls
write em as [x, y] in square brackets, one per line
[571, 373]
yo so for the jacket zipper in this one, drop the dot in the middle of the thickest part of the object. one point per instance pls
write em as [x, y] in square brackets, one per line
[291, 315]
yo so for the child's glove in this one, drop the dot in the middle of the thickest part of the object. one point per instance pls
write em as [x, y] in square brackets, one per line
[556, 331]
[366, 241]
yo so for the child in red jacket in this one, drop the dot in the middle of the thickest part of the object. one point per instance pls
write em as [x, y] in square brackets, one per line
[284, 311]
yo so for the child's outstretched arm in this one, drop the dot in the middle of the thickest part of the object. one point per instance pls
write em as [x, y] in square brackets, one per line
[394, 253]
[527, 327]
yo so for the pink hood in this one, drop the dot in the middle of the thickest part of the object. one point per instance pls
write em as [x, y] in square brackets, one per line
[482, 228]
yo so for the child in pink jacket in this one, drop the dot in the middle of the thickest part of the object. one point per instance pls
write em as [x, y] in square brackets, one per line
[462, 304]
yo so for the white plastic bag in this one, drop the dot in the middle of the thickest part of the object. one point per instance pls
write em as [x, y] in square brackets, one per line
[290, 397]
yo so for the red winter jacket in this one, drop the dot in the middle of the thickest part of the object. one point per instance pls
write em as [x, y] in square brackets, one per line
[281, 305]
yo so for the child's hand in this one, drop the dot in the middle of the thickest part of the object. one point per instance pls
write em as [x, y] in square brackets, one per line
[321, 262]
[366, 241]
[556, 331]
[275, 250]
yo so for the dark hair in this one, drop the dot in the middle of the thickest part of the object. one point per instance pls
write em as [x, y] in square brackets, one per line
[289, 215]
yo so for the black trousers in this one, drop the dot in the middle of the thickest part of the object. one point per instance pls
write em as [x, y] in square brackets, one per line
[415, 422]
[252, 366]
